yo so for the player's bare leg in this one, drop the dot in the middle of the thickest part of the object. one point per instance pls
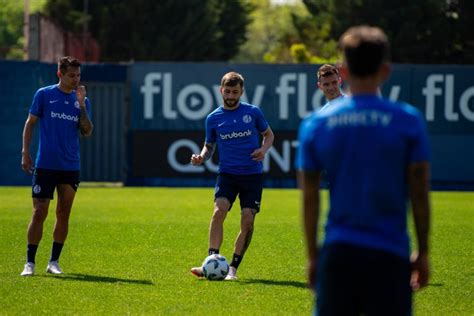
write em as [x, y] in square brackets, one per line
[35, 233]
[66, 196]
[216, 229]
[35, 228]
[243, 240]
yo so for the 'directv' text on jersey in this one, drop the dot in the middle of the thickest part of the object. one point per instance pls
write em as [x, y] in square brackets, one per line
[365, 144]
[59, 114]
[237, 135]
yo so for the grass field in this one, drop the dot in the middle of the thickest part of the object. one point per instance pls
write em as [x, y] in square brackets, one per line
[129, 251]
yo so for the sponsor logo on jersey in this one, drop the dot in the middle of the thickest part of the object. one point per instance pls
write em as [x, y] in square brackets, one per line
[64, 116]
[232, 135]
[247, 118]
[360, 118]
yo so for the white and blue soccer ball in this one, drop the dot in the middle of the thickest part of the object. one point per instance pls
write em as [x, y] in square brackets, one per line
[215, 267]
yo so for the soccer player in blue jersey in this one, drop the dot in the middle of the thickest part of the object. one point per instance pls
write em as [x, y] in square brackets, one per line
[329, 81]
[63, 111]
[376, 155]
[235, 128]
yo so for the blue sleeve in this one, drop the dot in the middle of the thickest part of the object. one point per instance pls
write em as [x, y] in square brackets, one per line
[37, 106]
[420, 148]
[261, 123]
[306, 156]
[210, 131]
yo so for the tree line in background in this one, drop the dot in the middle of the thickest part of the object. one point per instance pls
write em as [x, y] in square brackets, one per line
[306, 31]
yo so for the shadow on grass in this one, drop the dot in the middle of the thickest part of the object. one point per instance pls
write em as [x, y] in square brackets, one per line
[297, 284]
[436, 284]
[97, 278]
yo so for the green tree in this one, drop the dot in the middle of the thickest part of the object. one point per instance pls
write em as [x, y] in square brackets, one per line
[314, 34]
[11, 27]
[286, 34]
[168, 30]
[423, 31]
[270, 34]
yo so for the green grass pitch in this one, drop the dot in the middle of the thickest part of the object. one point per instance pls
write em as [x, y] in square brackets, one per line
[129, 251]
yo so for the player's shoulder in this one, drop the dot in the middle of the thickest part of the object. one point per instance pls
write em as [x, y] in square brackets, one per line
[335, 107]
[215, 114]
[249, 107]
[48, 89]
[403, 108]
[217, 110]
[311, 121]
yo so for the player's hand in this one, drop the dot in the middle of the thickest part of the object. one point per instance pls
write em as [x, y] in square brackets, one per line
[196, 159]
[27, 163]
[420, 270]
[81, 95]
[258, 154]
[311, 273]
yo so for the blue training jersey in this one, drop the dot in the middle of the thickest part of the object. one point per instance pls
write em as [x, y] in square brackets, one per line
[365, 144]
[59, 133]
[331, 102]
[237, 134]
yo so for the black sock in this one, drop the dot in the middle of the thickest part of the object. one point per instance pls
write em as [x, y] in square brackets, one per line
[56, 251]
[236, 260]
[213, 251]
[31, 253]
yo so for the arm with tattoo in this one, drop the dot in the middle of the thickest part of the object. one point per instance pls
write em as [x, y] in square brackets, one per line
[208, 151]
[85, 124]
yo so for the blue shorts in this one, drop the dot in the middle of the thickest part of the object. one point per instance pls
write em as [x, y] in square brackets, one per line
[45, 181]
[248, 187]
[353, 280]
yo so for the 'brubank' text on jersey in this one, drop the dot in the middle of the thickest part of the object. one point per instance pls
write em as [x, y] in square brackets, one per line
[365, 144]
[237, 134]
[59, 134]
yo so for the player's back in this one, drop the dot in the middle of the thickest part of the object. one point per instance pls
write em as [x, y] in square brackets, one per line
[365, 144]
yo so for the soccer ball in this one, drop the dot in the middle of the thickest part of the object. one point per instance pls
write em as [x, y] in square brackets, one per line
[215, 267]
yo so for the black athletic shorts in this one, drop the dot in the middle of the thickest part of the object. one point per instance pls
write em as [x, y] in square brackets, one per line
[45, 181]
[248, 187]
[353, 280]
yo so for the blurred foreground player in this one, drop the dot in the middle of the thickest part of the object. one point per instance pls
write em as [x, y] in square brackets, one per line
[376, 156]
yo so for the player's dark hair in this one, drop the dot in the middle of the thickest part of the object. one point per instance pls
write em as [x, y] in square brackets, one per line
[327, 70]
[232, 79]
[365, 48]
[67, 61]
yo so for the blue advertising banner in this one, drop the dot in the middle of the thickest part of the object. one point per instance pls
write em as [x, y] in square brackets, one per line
[179, 96]
[165, 106]
[169, 98]
[445, 94]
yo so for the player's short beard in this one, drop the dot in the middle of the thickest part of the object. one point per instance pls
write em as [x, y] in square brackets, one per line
[231, 104]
